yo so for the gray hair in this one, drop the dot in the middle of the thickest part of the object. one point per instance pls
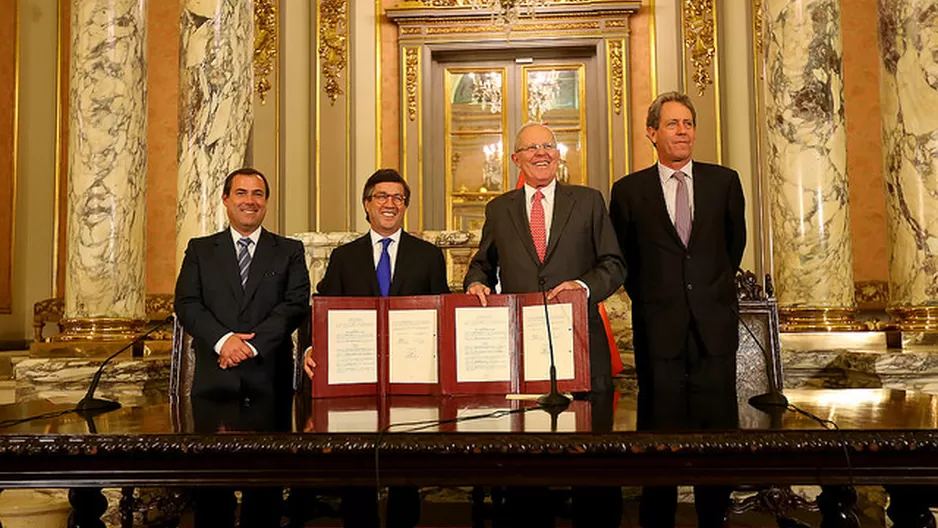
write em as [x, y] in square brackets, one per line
[654, 111]
[528, 125]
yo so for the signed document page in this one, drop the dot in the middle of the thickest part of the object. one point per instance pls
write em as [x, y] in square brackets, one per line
[412, 346]
[353, 346]
[483, 345]
[536, 350]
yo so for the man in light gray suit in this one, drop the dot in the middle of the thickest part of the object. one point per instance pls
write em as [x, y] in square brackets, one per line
[551, 235]
[557, 237]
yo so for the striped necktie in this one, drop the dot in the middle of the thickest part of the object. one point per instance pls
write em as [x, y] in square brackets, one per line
[244, 258]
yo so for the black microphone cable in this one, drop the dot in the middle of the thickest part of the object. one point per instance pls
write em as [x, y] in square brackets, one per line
[89, 395]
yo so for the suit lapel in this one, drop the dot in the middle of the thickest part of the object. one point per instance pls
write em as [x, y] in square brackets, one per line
[263, 256]
[518, 212]
[655, 193]
[401, 265]
[227, 259]
[364, 253]
[702, 201]
[563, 206]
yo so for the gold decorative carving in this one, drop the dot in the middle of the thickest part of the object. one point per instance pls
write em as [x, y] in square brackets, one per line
[757, 23]
[333, 44]
[698, 23]
[620, 23]
[616, 72]
[411, 67]
[519, 28]
[265, 45]
[410, 30]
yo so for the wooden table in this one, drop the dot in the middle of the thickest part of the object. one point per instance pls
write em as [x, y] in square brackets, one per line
[885, 437]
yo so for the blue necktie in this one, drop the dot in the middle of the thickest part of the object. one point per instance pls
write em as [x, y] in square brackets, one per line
[384, 268]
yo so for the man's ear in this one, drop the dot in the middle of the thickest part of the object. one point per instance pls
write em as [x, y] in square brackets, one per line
[651, 134]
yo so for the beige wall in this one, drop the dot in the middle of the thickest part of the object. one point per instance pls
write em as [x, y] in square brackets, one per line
[32, 252]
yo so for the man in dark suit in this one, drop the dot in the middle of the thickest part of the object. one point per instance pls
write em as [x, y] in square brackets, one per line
[387, 261]
[552, 233]
[681, 227]
[240, 294]
[557, 237]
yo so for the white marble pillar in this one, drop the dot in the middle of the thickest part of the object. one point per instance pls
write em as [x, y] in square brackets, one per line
[104, 281]
[215, 110]
[807, 164]
[908, 37]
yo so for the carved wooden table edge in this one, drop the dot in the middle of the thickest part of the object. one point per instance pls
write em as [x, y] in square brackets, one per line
[737, 457]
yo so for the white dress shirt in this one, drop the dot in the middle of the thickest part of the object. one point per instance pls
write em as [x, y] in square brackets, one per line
[669, 186]
[547, 202]
[235, 237]
[376, 247]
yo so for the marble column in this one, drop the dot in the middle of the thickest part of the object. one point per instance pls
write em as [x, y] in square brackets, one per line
[215, 110]
[807, 165]
[908, 36]
[104, 281]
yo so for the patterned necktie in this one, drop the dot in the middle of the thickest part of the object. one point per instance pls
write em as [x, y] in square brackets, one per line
[682, 221]
[244, 258]
[384, 268]
[538, 230]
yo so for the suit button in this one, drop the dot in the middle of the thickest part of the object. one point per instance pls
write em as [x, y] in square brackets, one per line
[690, 287]
[687, 256]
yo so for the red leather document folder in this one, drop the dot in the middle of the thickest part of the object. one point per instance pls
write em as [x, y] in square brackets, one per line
[447, 344]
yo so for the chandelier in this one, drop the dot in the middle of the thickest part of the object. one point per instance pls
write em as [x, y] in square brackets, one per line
[507, 12]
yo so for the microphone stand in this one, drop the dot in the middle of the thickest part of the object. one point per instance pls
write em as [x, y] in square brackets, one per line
[89, 405]
[553, 402]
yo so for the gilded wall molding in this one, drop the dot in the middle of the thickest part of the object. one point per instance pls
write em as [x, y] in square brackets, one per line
[333, 44]
[698, 19]
[616, 72]
[411, 71]
[265, 45]
[758, 24]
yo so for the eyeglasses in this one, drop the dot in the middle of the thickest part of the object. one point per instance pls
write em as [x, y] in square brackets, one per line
[535, 147]
[381, 198]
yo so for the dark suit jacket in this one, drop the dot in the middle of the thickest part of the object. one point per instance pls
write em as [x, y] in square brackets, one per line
[581, 246]
[420, 269]
[670, 284]
[210, 302]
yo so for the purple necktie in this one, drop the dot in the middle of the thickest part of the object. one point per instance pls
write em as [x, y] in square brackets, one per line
[682, 220]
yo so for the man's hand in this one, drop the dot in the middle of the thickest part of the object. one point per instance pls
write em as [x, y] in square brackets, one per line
[569, 285]
[308, 363]
[235, 350]
[479, 290]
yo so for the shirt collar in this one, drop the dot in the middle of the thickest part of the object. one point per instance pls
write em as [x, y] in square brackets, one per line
[236, 236]
[547, 191]
[375, 237]
[665, 173]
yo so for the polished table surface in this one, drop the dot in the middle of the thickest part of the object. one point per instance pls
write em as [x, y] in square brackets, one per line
[884, 436]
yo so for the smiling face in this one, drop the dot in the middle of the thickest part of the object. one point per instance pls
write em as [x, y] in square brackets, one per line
[538, 165]
[246, 203]
[674, 137]
[386, 208]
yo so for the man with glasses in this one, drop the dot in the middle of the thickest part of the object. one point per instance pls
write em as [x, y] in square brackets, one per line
[559, 237]
[387, 261]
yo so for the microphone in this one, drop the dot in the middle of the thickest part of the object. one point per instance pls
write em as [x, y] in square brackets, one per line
[89, 405]
[553, 402]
